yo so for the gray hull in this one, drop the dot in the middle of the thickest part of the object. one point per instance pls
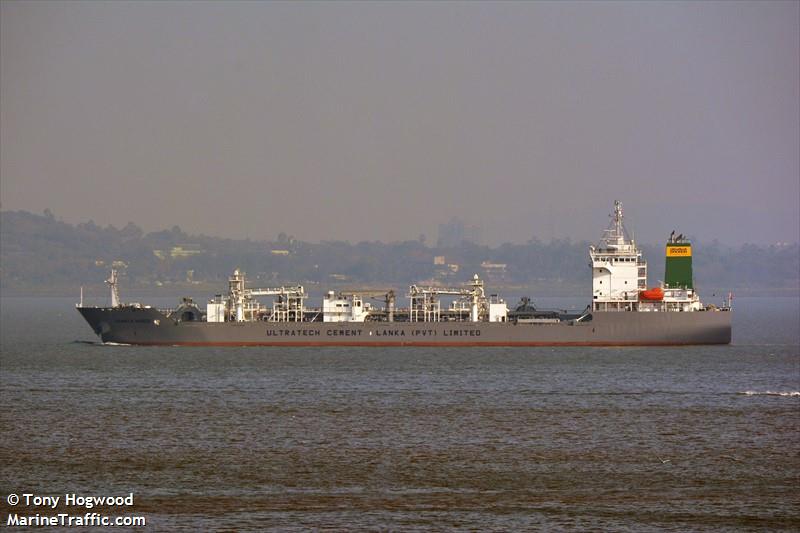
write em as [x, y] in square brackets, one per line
[148, 326]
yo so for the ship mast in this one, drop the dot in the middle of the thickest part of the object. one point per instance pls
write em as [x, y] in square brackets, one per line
[616, 237]
[112, 282]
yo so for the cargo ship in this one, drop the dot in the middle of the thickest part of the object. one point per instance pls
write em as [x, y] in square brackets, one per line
[623, 311]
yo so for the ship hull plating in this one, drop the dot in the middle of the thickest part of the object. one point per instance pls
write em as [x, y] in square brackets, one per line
[147, 326]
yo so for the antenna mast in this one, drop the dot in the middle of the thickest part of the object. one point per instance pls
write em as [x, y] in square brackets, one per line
[112, 282]
[619, 230]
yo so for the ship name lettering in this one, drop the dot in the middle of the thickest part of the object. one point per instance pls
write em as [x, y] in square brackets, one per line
[462, 333]
[390, 333]
[293, 333]
[344, 333]
[423, 333]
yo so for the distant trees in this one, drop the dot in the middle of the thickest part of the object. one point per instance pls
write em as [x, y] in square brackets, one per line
[40, 251]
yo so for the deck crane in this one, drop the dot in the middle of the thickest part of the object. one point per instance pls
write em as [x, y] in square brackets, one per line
[425, 305]
[288, 306]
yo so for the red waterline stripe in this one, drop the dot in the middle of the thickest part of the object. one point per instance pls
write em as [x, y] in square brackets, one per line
[421, 344]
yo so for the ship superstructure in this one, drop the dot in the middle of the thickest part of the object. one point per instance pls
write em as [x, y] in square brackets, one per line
[618, 270]
[623, 311]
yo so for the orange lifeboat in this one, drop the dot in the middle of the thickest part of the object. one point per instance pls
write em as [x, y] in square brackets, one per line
[655, 294]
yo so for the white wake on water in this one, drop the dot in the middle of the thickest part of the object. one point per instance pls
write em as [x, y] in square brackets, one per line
[770, 393]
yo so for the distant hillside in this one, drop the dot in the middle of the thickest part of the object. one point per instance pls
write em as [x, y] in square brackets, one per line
[39, 253]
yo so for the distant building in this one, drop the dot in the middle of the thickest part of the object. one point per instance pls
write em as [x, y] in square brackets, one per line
[494, 268]
[117, 263]
[453, 233]
[495, 272]
[180, 251]
[177, 252]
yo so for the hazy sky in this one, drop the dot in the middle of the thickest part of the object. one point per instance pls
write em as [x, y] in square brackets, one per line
[379, 121]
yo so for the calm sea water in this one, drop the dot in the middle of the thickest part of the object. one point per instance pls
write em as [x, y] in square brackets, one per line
[634, 439]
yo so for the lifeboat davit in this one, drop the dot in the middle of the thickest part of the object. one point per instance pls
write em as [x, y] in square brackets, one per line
[655, 294]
